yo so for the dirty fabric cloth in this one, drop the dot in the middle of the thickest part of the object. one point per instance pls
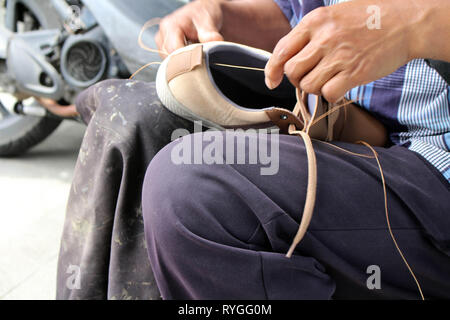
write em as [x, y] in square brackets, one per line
[221, 231]
[103, 251]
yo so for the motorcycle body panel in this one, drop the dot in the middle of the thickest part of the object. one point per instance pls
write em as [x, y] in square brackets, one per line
[27, 66]
[122, 22]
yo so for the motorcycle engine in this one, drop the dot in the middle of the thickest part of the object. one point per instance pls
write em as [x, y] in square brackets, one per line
[83, 60]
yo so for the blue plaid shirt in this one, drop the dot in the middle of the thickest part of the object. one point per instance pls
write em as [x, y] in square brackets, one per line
[412, 102]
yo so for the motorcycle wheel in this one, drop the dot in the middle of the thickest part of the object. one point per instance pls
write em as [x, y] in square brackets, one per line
[19, 133]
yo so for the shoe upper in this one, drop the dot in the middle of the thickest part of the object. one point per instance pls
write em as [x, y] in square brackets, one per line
[222, 84]
[229, 97]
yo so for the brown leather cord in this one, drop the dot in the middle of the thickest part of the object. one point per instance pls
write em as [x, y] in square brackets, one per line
[388, 220]
[334, 109]
[346, 151]
[310, 201]
[312, 181]
[311, 190]
[142, 68]
[151, 23]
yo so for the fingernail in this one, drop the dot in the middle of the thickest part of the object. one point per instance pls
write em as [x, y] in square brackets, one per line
[269, 84]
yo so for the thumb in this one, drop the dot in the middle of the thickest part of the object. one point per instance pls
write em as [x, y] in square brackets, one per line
[207, 30]
[207, 36]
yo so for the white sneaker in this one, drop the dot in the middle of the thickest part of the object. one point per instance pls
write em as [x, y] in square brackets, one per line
[198, 83]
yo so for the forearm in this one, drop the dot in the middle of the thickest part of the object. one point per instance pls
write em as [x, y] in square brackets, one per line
[432, 30]
[256, 23]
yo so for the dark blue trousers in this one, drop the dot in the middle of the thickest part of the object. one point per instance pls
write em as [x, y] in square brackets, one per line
[222, 231]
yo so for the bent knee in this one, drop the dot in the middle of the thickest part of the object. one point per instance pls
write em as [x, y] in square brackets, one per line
[119, 102]
[175, 192]
[199, 199]
[166, 185]
[167, 189]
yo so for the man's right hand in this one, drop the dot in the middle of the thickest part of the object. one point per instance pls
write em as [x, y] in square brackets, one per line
[198, 21]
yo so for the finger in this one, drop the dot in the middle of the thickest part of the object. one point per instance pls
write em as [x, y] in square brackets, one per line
[206, 29]
[336, 88]
[159, 45]
[158, 40]
[302, 63]
[285, 49]
[173, 39]
[208, 36]
[313, 81]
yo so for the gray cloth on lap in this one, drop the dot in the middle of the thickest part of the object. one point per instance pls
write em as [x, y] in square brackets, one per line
[103, 239]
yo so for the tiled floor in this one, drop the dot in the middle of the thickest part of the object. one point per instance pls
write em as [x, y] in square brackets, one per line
[33, 196]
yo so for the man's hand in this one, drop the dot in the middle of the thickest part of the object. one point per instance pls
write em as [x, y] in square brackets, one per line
[336, 48]
[257, 23]
[198, 21]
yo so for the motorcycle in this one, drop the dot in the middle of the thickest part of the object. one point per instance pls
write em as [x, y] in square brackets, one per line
[50, 50]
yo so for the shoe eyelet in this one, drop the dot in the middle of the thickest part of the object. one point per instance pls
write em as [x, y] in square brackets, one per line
[284, 117]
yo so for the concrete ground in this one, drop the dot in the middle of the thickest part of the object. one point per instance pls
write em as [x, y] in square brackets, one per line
[33, 195]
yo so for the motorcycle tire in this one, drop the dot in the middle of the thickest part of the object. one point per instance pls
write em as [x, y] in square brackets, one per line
[20, 133]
